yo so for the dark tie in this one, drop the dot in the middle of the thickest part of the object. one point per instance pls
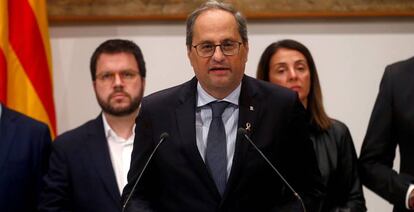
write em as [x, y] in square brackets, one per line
[216, 151]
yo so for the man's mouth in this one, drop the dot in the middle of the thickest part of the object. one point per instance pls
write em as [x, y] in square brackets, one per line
[219, 69]
[118, 94]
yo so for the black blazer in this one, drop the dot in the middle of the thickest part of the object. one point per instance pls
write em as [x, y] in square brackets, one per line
[24, 151]
[391, 124]
[81, 177]
[337, 159]
[177, 178]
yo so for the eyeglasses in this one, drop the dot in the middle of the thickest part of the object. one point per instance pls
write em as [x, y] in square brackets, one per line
[228, 48]
[109, 77]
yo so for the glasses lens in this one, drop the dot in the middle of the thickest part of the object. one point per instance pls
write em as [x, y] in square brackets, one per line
[106, 77]
[205, 49]
[128, 75]
[230, 48]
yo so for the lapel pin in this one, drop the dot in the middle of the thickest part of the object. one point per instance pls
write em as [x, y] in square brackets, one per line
[251, 108]
[248, 126]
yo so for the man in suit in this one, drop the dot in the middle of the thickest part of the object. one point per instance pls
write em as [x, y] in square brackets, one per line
[391, 125]
[24, 152]
[89, 164]
[182, 175]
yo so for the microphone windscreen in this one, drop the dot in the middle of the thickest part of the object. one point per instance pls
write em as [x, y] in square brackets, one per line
[164, 135]
[241, 131]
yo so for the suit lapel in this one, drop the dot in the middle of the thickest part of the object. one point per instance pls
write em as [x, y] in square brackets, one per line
[98, 150]
[185, 114]
[8, 126]
[249, 110]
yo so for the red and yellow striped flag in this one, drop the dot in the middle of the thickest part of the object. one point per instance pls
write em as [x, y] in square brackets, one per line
[25, 60]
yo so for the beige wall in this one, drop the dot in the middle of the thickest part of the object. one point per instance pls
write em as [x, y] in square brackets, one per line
[350, 57]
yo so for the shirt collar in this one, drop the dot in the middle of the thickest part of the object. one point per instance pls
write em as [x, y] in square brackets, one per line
[109, 132]
[204, 98]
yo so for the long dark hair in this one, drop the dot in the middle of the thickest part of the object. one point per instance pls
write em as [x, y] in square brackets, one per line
[315, 103]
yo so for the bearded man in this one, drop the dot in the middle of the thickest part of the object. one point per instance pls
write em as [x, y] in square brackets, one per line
[88, 166]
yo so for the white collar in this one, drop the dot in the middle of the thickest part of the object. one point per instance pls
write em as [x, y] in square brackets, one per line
[109, 132]
[204, 98]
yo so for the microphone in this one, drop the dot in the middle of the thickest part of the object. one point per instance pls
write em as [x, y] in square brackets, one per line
[243, 132]
[163, 136]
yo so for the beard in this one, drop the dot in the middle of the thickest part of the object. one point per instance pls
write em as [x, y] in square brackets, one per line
[107, 107]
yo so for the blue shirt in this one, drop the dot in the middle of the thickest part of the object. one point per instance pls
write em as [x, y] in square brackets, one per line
[230, 118]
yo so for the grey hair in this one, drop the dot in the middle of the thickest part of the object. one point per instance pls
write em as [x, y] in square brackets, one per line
[212, 4]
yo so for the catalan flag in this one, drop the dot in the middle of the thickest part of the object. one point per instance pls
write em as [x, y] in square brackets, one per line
[25, 60]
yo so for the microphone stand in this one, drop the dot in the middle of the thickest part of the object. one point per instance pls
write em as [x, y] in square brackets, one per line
[244, 133]
[163, 136]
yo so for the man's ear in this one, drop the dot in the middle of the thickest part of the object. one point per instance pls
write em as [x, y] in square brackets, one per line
[189, 55]
[246, 46]
[94, 85]
[143, 85]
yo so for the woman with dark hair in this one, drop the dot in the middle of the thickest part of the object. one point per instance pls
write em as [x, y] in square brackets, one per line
[289, 63]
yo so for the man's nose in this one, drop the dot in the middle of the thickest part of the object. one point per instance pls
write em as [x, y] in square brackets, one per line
[118, 79]
[218, 54]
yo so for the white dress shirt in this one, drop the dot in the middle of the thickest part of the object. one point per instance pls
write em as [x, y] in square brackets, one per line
[120, 150]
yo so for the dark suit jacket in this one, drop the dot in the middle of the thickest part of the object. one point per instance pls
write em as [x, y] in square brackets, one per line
[391, 124]
[338, 163]
[80, 176]
[24, 152]
[177, 178]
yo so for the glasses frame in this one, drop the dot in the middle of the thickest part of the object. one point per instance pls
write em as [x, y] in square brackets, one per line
[215, 47]
[125, 76]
